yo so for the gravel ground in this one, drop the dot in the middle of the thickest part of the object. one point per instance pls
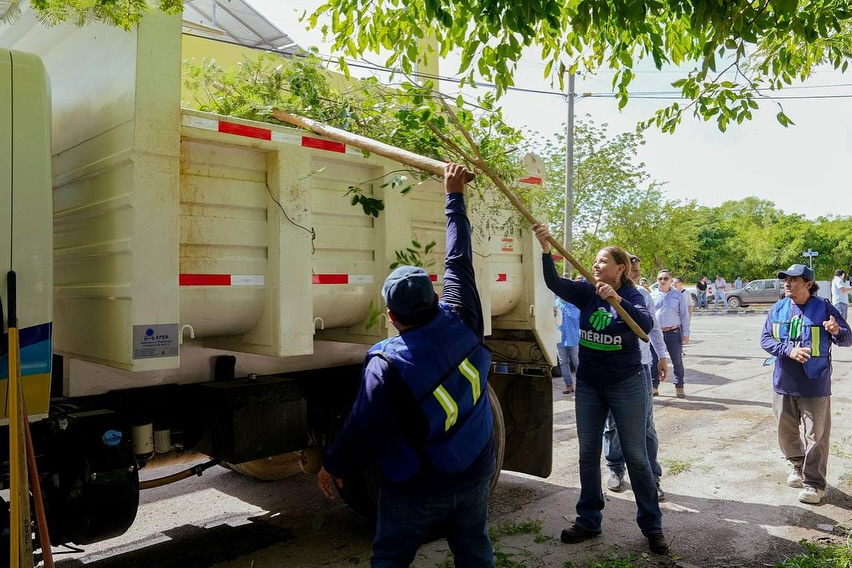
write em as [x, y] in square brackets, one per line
[727, 501]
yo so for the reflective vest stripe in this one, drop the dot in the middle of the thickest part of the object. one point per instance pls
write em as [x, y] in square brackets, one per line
[815, 341]
[776, 331]
[449, 406]
[471, 373]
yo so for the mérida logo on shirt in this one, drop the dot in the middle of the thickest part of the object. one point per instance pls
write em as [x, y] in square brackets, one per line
[600, 319]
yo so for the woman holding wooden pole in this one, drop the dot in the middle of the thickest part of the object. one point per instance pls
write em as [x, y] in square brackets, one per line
[609, 379]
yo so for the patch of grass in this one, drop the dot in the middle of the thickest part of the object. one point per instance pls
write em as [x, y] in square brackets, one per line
[612, 560]
[509, 527]
[833, 556]
[504, 559]
[448, 561]
[838, 448]
[540, 538]
[675, 467]
[846, 478]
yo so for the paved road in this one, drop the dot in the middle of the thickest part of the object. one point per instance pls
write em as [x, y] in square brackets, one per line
[728, 507]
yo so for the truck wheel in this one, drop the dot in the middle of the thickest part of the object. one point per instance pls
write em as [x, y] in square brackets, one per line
[273, 468]
[361, 491]
[734, 302]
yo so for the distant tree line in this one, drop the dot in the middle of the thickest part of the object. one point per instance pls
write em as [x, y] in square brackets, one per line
[616, 201]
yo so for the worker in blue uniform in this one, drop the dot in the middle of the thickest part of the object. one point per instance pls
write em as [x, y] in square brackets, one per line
[423, 409]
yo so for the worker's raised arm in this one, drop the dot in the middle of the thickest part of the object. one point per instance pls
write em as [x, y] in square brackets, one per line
[459, 289]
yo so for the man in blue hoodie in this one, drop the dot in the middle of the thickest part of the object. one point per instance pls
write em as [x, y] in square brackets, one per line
[798, 333]
[423, 409]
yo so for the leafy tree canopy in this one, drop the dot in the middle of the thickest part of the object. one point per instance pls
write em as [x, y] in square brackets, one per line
[121, 13]
[739, 47]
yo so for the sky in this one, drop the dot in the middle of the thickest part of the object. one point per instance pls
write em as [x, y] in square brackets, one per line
[803, 169]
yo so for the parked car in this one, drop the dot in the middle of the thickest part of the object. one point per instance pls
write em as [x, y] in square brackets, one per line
[766, 291]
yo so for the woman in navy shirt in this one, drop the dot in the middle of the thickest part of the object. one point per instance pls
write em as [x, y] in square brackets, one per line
[608, 380]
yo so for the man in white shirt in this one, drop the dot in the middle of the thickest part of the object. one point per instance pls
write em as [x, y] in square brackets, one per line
[672, 313]
[720, 298]
[840, 292]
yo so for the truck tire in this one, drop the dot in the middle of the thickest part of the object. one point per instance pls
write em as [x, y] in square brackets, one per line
[273, 468]
[361, 491]
[734, 302]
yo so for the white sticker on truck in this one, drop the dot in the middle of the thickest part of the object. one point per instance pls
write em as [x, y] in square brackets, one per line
[152, 341]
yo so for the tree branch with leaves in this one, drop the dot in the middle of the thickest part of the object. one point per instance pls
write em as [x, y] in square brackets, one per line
[771, 42]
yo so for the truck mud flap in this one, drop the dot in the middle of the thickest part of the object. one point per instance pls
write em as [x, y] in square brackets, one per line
[526, 395]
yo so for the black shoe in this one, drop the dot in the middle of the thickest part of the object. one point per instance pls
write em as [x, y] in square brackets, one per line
[577, 534]
[661, 495]
[657, 543]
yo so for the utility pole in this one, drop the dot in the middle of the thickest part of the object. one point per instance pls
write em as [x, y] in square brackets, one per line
[569, 166]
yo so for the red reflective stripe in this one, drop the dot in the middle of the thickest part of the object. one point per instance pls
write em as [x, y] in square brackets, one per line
[329, 145]
[535, 180]
[330, 279]
[204, 280]
[502, 278]
[242, 130]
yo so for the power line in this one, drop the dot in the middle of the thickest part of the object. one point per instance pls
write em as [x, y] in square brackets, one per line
[639, 95]
[674, 96]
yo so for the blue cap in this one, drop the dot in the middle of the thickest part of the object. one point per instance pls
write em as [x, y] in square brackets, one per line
[408, 291]
[797, 270]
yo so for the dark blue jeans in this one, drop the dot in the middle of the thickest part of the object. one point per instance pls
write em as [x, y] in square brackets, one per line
[674, 345]
[612, 445]
[627, 402]
[406, 517]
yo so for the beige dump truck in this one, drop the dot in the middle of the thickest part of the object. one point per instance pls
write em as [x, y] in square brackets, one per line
[194, 285]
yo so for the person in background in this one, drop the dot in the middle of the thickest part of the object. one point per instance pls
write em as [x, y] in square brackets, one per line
[643, 282]
[701, 287]
[720, 298]
[423, 409]
[609, 379]
[672, 314]
[612, 446]
[798, 333]
[677, 282]
[568, 347]
[738, 283]
[840, 292]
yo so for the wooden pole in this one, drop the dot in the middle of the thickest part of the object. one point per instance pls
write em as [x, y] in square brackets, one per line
[35, 484]
[20, 543]
[436, 167]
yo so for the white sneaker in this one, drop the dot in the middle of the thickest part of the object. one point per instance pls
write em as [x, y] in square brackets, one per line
[795, 478]
[615, 482]
[811, 495]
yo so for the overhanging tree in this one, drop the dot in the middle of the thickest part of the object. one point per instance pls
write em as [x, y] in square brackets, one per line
[738, 47]
[121, 13]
